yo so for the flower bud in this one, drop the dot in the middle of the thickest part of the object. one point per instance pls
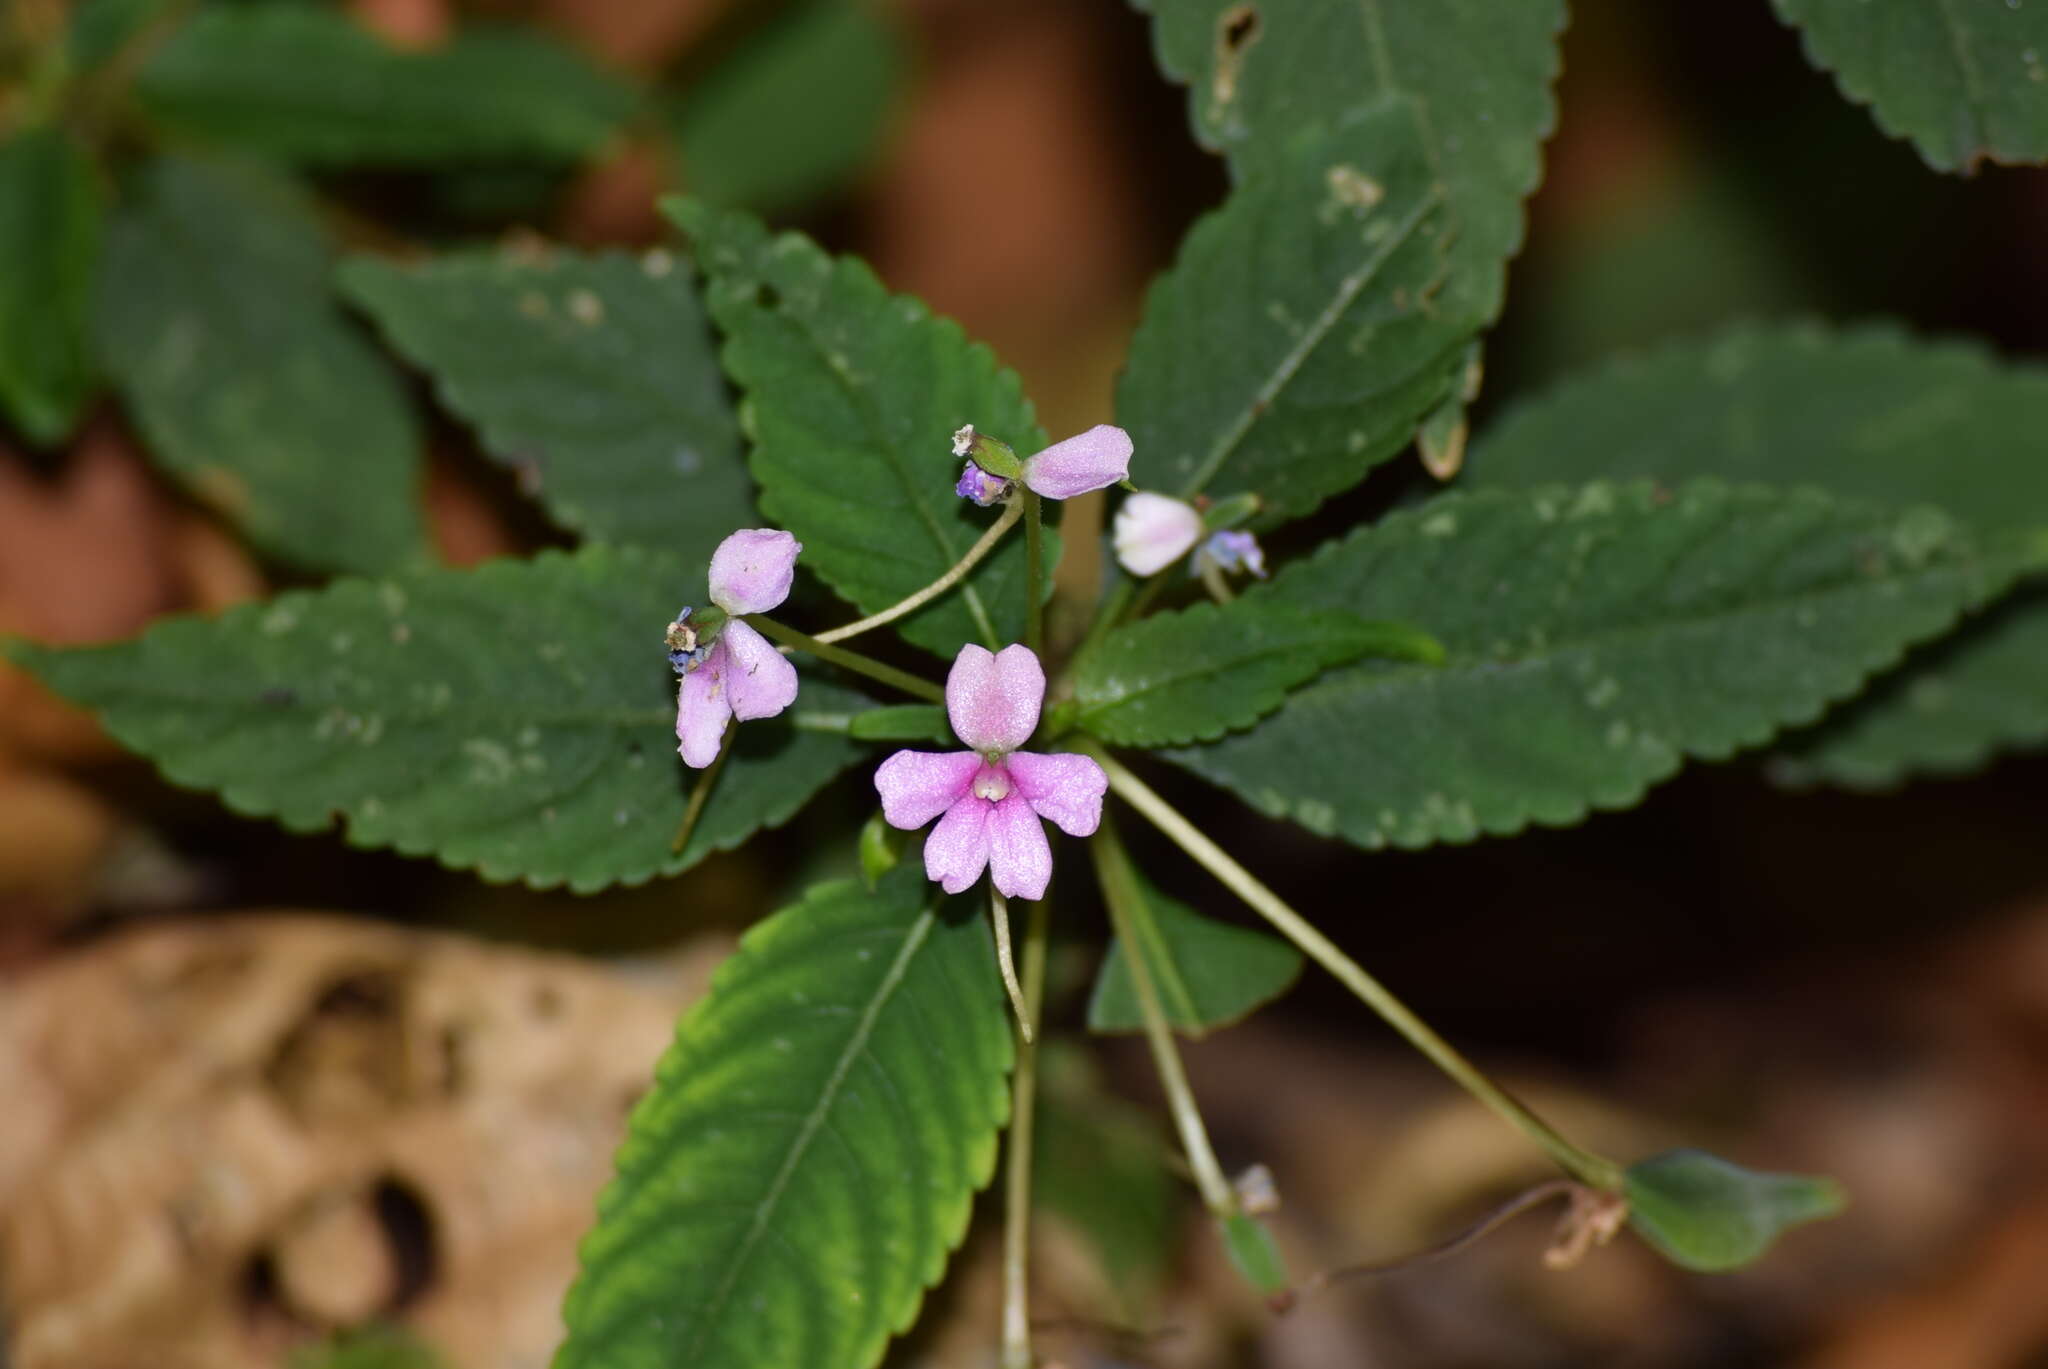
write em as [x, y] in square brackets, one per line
[1152, 531]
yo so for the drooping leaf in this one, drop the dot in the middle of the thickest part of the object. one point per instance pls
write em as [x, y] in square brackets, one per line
[49, 244]
[518, 719]
[1194, 675]
[593, 376]
[1298, 340]
[308, 85]
[1596, 637]
[795, 111]
[852, 399]
[1704, 1213]
[1965, 82]
[215, 322]
[1206, 973]
[806, 1158]
[1870, 413]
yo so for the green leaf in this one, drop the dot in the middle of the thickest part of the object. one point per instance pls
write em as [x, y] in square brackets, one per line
[591, 375]
[794, 112]
[1098, 1166]
[852, 398]
[1254, 1254]
[901, 723]
[308, 85]
[518, 719]
[1194, 675]
[1706, 1214]
[1207, 974]
[1871, 413]
[101, 29]
[49, 242]
[1595, 638]
[806, 1159]
[215, 323]
[1298, 341]
[1965, 82]
[380, 1347]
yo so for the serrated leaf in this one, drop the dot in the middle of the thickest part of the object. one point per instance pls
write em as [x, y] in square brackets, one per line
[49, 242]
[795, 111]
[1194, 675]
[308, 85]
[1596, 637]
[1964, 82]
[1706, 1214]
[1871, 413]
[592, 375]
[852, 396]
[1297, 342]
[806, 1159]
[517, 719]
[215, 322]
[1207, 974]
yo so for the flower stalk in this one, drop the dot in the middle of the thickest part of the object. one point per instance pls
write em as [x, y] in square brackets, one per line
[982, 547]
[1016, 1351]
[849, 660]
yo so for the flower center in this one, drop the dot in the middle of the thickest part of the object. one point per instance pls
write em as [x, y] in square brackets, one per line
[992, 782]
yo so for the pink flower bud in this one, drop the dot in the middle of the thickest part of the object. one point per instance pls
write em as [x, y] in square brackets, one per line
[752, 569]
[1153, 531]
[1092, 460]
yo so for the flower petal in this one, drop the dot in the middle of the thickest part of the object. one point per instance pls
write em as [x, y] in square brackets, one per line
[1153, 531]
[1087, 461]
[917, 786]
[993, 699]
[760, 682]
[1065, 789]
[1019, 859]
[958, 847]
[751, 570]
[702, 709]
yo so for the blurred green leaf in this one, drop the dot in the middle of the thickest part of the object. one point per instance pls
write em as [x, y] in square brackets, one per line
[593, 376]
[517, 719]
[807, 1156]
[1965, 82]
[1706, 1214]
[215, 322]
[377, 1348]
[1596, 637]
[99, 29]
[1254, 1254]
[795, 111]
[50, 244]
[1098, 1165]
[307, 84]
[1207, 974]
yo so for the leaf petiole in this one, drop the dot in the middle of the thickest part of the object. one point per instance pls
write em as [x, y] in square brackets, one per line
[982, 547]
[849, 660]
[1018, 1161]
[1034, 572]
[702, 793]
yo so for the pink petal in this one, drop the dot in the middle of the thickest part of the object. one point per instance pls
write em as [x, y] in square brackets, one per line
[1019, 859]
[917, 786]
[1088, 461]
[1153, 531]
[1065, 789]
[751, 570]
[958, 847]
[760, 682]
[702, 709]
[993, 699]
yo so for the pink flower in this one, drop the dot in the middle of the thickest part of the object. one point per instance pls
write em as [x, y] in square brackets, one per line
[1152, 531]
[1093, 460]
[993, 796]
[740, 675]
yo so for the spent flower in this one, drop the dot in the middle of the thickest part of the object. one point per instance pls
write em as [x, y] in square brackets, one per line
[737, 673]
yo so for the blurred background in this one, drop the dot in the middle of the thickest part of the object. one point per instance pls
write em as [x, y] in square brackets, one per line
[261, 1093]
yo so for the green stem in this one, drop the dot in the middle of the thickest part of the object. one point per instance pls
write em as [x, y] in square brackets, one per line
[1594, 1170]
[702, 793]
[1017, 1174]
[1154, 586]
[1213, 581]
[952, 577]
[1034, 573]
[849, 660]
[1120, 890]
[1107, 616]
[999, 922]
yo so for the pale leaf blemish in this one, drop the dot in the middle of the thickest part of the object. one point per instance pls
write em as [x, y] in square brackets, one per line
[1237, 29]
[278, 621]
[586, 308]
[489, 762]
[1316, 815]
[657, 263]
[1352, 189]
[1603, 693]
[1618, 734]
[1440, 524]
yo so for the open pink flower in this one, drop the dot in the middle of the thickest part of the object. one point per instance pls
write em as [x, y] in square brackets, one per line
[993, 796]
[1093, 460]
[740, 675]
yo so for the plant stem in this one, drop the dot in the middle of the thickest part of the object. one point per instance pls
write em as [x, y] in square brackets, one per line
[937, 587]
[1106, 616]
[999, 920]
[702, 793]
[1034, 573]
[1120, 890]
[849, 660]
[1213, 581]
[1017, 1171]
[1594, 1170]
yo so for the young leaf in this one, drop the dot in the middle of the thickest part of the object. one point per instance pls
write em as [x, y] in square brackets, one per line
[1595, 637]
[795, 111]
[592, 375]
[1297, 341]
[308, 85]
[852, 398]
[1871, 413]
[215, 322]
[1966, 83]
[1194, 675]
[518, 719]
[806, 1158]
[49, 242]
[1207, 974]
[1706, 1214]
